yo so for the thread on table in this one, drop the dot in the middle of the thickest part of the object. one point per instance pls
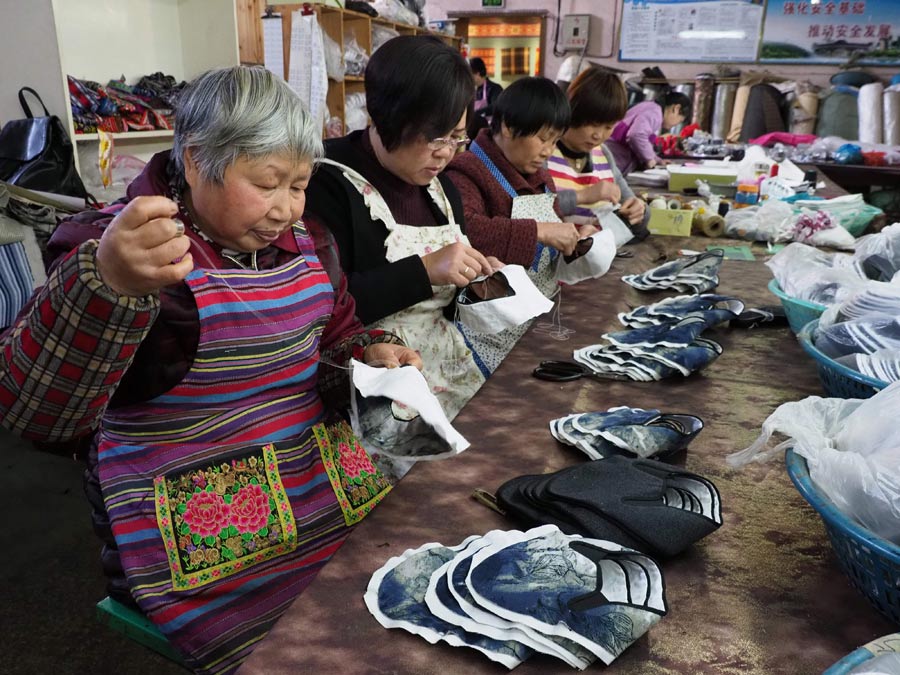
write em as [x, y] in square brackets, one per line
[554, 328]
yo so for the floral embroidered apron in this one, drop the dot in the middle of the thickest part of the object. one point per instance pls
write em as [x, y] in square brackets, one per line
[218, 493]
[450, 367]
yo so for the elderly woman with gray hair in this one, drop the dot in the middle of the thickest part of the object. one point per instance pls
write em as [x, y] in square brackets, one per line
[191, 329]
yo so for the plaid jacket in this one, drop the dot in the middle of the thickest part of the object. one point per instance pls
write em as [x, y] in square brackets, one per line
[79, 347]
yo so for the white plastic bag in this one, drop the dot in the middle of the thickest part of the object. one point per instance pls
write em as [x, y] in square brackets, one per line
[852, 451]
[806, 273]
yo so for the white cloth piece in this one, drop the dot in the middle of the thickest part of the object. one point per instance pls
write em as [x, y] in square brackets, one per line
[494, 316]
[595, 263]
[891, 116]
[407, 386]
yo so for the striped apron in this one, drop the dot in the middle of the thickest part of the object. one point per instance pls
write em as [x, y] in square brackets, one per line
[219, 500]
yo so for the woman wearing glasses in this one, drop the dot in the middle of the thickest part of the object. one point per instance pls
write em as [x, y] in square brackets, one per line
[507, 192]
[397, 220]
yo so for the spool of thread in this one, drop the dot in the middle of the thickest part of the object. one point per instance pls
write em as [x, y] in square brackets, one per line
[709, 225]
[659, 203]
[674, 204]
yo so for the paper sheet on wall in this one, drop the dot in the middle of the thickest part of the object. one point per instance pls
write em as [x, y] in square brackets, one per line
[708, 30]
[273, 50]
[307, 75]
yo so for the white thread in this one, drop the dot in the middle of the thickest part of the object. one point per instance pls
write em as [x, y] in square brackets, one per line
[554, 327]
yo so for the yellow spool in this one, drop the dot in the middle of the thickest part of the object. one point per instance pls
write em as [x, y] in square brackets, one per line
[709, 225]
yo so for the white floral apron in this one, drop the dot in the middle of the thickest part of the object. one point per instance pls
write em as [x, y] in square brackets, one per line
[449, 365]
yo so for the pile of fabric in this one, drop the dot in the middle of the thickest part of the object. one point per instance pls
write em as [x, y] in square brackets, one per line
[688, 274]
[511, 594]
[118, 107]
[631, 432]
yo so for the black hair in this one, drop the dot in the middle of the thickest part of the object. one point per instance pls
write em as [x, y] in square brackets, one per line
[597, 97]
[416, 86]
[676, 98]
[476, 63]
[529, 105]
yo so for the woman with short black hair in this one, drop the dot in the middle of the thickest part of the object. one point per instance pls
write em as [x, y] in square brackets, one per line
[632, 140]
[507, 162]
[397, 220]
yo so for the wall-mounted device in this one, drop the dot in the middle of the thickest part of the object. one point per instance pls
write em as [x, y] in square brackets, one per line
[581, 32]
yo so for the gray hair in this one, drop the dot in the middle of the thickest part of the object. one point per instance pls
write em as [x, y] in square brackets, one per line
[242, 111]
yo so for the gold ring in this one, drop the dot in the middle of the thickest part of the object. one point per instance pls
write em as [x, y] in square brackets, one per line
[179, 228]
[466, 272]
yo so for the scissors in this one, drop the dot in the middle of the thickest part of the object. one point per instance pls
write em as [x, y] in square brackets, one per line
[566, 371]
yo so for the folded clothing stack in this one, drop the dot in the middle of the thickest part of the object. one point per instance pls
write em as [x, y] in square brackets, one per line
[511, 594]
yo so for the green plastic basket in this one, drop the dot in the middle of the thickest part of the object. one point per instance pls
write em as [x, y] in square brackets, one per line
[798, 312]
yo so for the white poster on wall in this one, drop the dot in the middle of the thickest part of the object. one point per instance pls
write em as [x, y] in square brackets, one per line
[690, 30]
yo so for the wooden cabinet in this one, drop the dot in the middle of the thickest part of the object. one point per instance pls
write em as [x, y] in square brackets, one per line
[339, 24]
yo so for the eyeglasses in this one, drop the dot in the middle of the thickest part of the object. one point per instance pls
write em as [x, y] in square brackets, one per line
[449, 142]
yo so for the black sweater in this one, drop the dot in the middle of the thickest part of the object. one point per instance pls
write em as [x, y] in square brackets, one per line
[380, 288]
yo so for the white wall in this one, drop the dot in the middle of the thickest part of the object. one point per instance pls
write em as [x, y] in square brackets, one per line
[28, 57]
[607, 10]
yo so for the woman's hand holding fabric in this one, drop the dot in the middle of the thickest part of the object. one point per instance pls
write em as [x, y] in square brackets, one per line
[455, 264]
[561, 236]
[143, 249]
[384, 355]
[603, 191]
[633, 210]
[586, 230]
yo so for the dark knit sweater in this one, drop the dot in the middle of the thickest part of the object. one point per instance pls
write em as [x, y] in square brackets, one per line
[379, 287]
[487, 205]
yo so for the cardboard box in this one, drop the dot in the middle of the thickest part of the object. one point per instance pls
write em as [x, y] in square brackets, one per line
[681, 177]
[672, 222]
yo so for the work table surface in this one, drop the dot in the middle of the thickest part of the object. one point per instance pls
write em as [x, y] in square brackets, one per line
[763, 595]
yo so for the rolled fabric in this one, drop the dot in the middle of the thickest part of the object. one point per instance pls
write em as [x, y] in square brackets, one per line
[704, 90]
[803, 113]
[687, 89]
[740, 109]
[871, 111]
[892, 116]
[723, 107]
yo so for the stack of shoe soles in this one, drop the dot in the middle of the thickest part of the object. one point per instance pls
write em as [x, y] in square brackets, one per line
[689, 274]
[513, 594]
[657, 351]
[642, 504]
[627, 432]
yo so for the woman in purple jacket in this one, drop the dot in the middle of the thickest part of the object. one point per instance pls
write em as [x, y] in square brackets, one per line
[632, 140]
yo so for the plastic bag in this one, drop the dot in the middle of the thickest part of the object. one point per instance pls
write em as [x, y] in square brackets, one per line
[851, 211]
[883, 664]
[355, 114]
[773, 222]
[395, 11]
[806, 273]
[334, 64]
[852, 451]
[355, 57]
[819, 228]
[881, 249]
[123, 169]
[380, 35]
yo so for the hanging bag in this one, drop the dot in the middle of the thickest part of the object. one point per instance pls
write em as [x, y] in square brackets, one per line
[36, 153]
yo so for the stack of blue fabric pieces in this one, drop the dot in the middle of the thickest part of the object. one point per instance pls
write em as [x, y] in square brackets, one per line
[631, 432]
[511, 594]
[688, 274]
[667, 342]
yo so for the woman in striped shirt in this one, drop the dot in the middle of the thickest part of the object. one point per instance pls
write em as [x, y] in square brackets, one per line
[582, 168]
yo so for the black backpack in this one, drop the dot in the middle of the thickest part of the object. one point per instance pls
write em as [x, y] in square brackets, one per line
[36, 153]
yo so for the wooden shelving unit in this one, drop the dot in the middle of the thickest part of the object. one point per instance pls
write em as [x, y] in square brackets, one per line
[337, 23]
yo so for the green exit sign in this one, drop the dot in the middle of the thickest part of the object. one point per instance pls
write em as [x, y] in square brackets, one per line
[493, 3]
